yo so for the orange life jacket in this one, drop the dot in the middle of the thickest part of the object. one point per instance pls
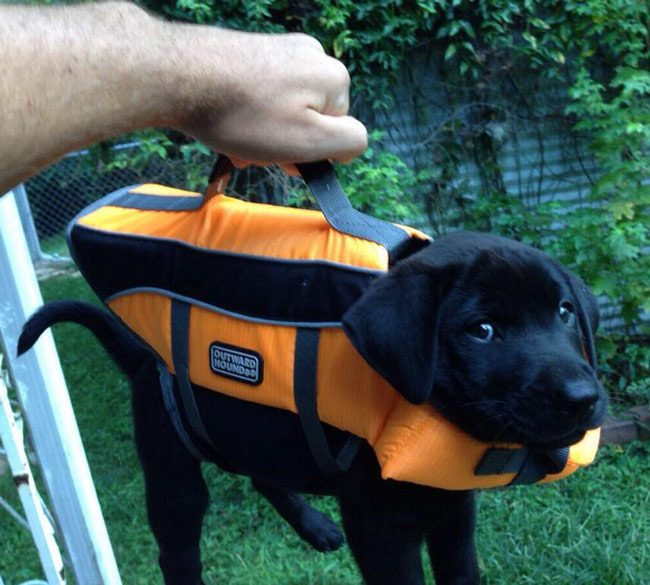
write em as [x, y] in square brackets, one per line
[255, 288]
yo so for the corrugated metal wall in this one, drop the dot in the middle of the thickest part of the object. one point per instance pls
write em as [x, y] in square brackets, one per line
[539, 157]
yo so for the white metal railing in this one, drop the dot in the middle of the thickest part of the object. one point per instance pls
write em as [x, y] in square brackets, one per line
[39, 385]
[38, 521]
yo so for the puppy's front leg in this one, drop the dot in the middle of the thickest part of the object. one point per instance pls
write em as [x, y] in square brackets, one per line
[385, 532]
[450, 538]
[314, 527]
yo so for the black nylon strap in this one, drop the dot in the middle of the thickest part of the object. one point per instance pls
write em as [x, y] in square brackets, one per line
[500, 461]
[180, 318]
[305, 366]
[171, 406]
[531, 471]
[529, 466]
[324, 184]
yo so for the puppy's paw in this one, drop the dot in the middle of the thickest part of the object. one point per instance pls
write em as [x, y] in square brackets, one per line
[319, 530]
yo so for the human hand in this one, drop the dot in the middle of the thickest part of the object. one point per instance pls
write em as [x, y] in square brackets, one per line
[265, 99]
[76, 75]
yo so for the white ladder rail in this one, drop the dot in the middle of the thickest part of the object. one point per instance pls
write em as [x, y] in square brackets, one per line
[44, 401]
[38, 522]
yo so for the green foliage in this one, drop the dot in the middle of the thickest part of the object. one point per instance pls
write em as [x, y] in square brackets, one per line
[269, 16]
[373, 37]
[156, 153]
[599, 52]
[615, 226]
[625, 370]
[151, 147]
[380, 183]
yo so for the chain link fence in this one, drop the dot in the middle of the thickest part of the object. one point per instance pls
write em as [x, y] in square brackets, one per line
[61, 191]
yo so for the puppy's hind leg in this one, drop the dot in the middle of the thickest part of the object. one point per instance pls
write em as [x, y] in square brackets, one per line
[176, 494]
[314, 527]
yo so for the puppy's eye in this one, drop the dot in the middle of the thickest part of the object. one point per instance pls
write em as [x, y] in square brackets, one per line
[566, 313]
[482, 331]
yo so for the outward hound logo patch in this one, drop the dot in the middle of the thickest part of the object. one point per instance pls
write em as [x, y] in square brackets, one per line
[237, 363]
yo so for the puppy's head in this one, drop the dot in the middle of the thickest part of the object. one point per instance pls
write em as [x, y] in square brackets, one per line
[494, 334]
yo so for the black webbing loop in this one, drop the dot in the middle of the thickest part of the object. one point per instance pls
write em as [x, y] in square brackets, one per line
[322, 181]
[529, 466]
[324, 184]
[180, 317]
[304, 376]
[219, 176]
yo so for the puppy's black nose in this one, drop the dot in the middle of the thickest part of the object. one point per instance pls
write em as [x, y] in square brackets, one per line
[577, 399]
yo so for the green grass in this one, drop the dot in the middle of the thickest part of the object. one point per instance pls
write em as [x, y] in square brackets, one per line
[55, 244]
[590, 529]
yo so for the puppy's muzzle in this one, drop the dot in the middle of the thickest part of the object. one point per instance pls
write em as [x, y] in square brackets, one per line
[576, 401]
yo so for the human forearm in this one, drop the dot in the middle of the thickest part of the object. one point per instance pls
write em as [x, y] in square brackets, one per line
[74, 75]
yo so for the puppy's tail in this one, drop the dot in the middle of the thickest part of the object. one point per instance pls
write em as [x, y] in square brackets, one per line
[129, 353]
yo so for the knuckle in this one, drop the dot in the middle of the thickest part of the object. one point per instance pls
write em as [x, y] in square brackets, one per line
[340, 74]
[362, 137]
[357, 137]
[302, 39]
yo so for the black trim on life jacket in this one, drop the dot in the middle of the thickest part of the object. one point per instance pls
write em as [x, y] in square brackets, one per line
[305, 395]
[264, 288]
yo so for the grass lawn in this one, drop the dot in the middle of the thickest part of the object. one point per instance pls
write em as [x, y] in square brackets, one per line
[590, 529]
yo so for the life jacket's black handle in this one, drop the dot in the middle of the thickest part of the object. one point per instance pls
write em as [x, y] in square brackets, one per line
[219, 176]
[322, 181]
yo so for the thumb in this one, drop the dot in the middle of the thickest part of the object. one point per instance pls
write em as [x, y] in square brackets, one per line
[343, 138]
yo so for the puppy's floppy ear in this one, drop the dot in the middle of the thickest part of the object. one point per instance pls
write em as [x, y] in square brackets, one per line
[588, 313]
[394, 327]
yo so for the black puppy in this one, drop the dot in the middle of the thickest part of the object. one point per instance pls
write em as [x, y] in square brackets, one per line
[495, 334]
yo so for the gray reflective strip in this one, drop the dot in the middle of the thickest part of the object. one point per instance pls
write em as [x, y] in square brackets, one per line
[171, 406]
[148, 202]
[180, 317]
[247, 318]
[125, 198]
[106, 200]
